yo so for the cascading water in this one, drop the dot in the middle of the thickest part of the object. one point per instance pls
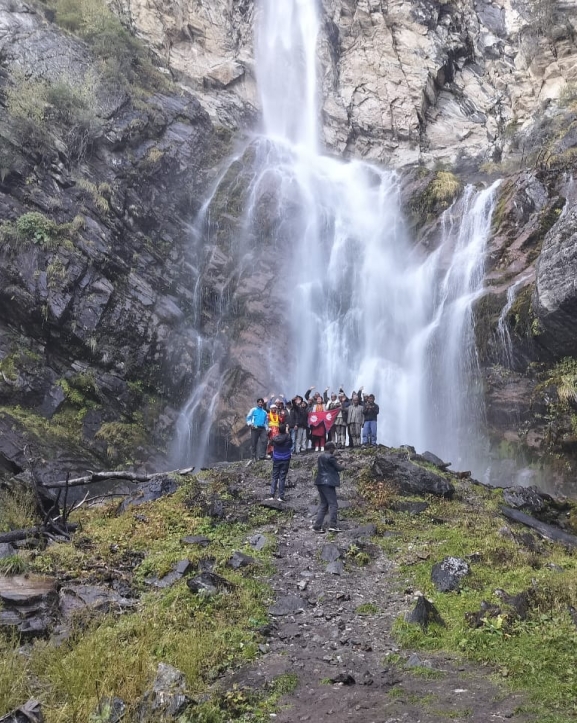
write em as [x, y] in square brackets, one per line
[366, 306]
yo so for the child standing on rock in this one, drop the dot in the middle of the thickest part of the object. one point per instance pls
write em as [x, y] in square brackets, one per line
[281, 459]
[327, 480]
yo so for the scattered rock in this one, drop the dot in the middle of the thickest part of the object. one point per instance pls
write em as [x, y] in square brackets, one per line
[28, 604]
[74, 598]
[330, 553]
[343, 679]
[410, 478]
[336, 567]
[273, 505]
[168, 698]
[447, 574]
[288, 605]
[257, 541]
[524, 498]
[109, 710]
[433, 459]
[30, 712]
[424, 613]
[178, 572]
[369, 530]
[486, 610]
[415, 662]
[200, 540]
[239, 559]
[150, 491]
[6, 550]
[412, 508]
[209, 583]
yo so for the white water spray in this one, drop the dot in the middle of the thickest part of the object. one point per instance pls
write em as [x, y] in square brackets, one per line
[368, 308]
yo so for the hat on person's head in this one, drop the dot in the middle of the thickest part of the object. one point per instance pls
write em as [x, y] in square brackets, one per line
[330, 445]
[273, 406]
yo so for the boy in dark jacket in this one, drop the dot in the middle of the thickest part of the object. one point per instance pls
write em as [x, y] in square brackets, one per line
[281, 459]
[327, 480]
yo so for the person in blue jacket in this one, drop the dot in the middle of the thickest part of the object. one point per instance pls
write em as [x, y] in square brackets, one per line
[257, 421]
[327, 480]
[281, 459]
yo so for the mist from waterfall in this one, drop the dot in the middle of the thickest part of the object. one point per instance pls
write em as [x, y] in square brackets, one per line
[367, 306]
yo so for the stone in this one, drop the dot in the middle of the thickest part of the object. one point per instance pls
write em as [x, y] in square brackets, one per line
[447, 574]
[200, 540]
[6, 550]
[330, 553]
[168, 698]
[424, 613]
[364, 531]
[75, 598]
[208, 583]
[28, 604]
[109, 710]
[30, 712]
[409, 477]
[150, 491]
[179, 570]
[336, 567]
[257, 541]
[343, 679]
[288, 605]
[239, 559]
[530, 499]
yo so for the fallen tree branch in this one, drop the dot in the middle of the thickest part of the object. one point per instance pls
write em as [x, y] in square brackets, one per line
[549, 532]
[103, 476]
[24, 534]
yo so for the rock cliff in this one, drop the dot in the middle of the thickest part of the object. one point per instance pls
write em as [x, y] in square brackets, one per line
[108, 146]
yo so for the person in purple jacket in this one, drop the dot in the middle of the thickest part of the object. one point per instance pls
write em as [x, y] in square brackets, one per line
[281, 459]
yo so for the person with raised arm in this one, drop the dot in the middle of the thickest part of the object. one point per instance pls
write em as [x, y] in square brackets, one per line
[257, 420]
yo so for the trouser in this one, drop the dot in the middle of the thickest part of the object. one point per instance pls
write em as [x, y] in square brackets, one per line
[257, 442]
[318, 441]
[370, 432]
[328, 502]
[301, 440]
[280, 468]
[354, 434]
[340, 434]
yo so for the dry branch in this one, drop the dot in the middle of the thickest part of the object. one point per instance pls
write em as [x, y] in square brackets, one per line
[549, 532]
[24, 534]
[103, 476]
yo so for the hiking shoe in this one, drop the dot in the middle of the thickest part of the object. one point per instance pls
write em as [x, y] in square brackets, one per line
[335, 529]
[281, 499]
[318, 530]
[270, 499]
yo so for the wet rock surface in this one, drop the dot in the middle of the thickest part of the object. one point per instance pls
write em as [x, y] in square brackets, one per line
[29, 605]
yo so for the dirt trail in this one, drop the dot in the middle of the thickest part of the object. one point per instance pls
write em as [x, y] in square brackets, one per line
[329, 636]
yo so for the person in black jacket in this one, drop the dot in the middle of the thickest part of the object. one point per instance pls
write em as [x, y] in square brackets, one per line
[370, 413]
[327, 480]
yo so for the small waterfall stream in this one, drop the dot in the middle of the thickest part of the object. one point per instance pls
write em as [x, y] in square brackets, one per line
[367, 307]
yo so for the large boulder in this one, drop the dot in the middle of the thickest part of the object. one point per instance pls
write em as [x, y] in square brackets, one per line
[409, 478]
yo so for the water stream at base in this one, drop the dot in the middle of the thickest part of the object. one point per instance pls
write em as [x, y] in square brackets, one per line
[366, 305]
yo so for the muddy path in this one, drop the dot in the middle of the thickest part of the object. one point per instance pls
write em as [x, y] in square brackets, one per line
[331, 622]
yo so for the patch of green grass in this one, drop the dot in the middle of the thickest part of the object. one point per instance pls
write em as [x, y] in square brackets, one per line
[422, 671]
[17, 507]
[201, 636]
[536, 655]
[13, 565]
[368, 608]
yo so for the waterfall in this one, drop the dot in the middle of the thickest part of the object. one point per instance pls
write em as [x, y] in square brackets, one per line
[367, 306]
[503, 333]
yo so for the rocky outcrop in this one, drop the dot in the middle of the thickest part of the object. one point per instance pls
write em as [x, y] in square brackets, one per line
[403, 82]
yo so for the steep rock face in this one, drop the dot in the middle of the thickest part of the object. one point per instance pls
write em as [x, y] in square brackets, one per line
[556, 288]
[403, 82]
[95, 264]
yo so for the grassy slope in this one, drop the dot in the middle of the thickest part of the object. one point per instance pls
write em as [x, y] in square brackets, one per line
[118, 655]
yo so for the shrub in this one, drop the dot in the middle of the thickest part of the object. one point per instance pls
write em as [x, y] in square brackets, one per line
[36, 228]
[46, 111]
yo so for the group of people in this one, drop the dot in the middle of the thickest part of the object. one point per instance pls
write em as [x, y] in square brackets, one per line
[320, 423]
[312, 420]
